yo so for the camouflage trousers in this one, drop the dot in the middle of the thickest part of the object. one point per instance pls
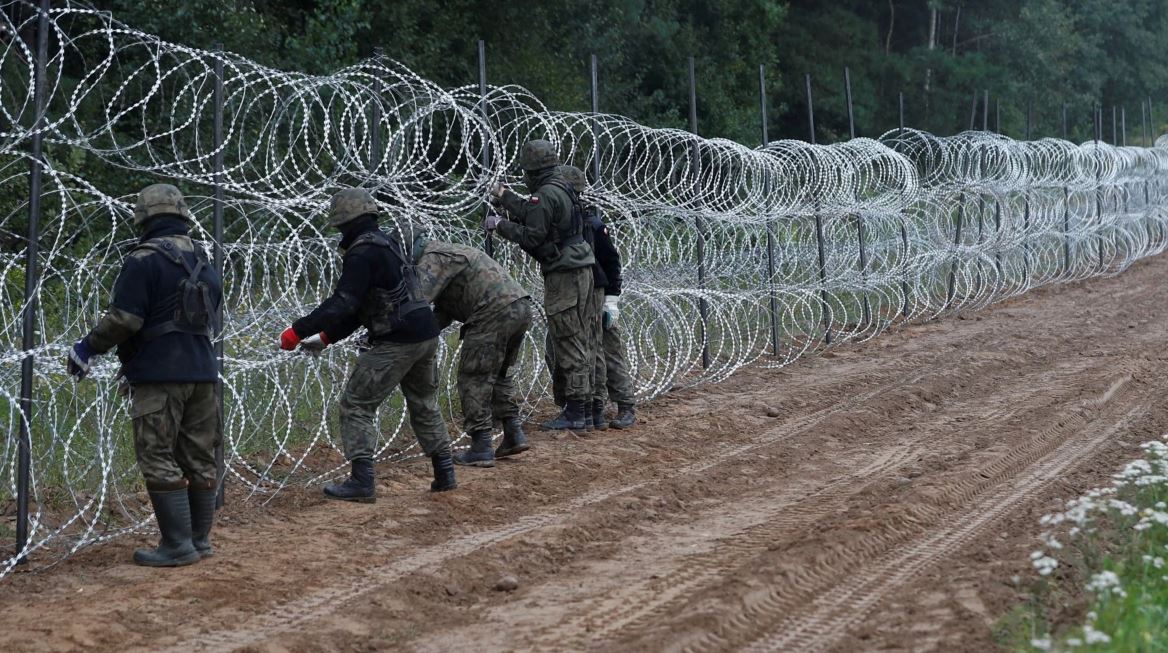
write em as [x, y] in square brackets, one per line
[610, 372]
[485, 386]
[176, 429]
[378, 373]
[613, 380]
[570, 307]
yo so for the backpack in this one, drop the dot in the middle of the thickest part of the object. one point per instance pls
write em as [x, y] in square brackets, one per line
[194, 312]
[384, 310]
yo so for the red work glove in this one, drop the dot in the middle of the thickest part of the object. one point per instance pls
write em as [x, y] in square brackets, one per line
[289, 339]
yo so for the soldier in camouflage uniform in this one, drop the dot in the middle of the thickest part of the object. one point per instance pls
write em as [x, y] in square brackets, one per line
[545, 225]
[378, 290]
[467, 285]
[612, 379]
[162, 321]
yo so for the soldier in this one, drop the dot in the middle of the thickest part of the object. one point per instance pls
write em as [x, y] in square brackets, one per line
[162, 320]
[548, 226]
[467, 285]
[611, 378]
[378, 290]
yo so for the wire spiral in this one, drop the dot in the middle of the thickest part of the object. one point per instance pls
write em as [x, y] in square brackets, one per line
[790, 240]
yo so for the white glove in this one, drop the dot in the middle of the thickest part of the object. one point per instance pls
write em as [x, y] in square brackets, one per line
[611, 311]
[313, 344]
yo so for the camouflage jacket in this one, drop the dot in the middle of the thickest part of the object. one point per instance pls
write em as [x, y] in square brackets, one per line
[464, 283]
[542, 225]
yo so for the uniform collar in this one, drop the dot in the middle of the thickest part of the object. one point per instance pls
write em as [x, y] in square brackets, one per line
[363, 226]
[165, 225]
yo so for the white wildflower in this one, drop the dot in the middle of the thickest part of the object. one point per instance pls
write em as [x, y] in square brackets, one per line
[1092, 636]
[1041, 644]
[1044, 565]
[1104, 582]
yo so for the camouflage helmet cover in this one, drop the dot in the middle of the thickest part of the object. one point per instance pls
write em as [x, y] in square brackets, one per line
[538, 154]
[349, 204]
[575, 177]
[159, 199]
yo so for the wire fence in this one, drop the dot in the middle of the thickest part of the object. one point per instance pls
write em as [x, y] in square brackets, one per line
[734, 254]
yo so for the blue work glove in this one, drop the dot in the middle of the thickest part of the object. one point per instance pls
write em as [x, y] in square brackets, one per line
[492, 221]
[78, 361]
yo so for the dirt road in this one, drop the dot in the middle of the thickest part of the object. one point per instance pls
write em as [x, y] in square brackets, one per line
[878, 498]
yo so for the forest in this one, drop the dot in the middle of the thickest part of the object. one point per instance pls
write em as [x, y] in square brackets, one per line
[1041, 54]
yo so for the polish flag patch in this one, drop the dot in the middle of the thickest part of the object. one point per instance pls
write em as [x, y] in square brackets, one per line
[533, 200]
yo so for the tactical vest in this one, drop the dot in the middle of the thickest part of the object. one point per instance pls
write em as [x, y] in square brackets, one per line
[550, 250]
[384, 310]
[194, 311]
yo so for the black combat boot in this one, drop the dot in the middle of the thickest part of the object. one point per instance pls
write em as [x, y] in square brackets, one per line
[443, 473]
[572, 418]
[626, 416]
[598, 421]
[201, 495]
[514, 439]
[358, 487]
[479, 454]
[587, 415]
[173, 510]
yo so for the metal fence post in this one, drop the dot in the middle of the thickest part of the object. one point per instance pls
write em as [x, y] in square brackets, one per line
[1123, 126]
[594, 88]
[1066, 228]
[488, 239]
[973, 111]
[1027, 119]
[903, 228]
[1064, 121]
[826, 307]
[957, 243]
[375, 153]
[1143, 124]
[770, 234]
[703, 308]
[866, 306]
[1099, 183]
[985, 111]
[217, 214]
[31, 285]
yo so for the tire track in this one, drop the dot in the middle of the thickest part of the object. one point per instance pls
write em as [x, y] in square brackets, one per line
[295, 614]
[1057, 447]
[831, 614]
[637, 606]
[649, 597]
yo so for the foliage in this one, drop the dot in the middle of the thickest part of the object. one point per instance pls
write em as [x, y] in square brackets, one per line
[1044, 52]
[1107, 549]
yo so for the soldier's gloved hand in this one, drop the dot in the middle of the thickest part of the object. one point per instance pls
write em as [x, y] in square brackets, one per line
[77, 363]
[611, 310]
[289, 339]
[314, 344]
[492, 221]
[362, 342]
[498, 189]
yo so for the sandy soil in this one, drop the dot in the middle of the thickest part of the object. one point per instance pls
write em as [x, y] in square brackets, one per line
[882, 497]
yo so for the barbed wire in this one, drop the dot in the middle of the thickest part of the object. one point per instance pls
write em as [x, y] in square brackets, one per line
[912, 226]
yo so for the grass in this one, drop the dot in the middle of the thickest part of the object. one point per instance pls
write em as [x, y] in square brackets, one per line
[1102, 577]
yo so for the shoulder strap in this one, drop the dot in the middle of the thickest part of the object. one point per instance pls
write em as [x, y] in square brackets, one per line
[167, 249]
[576, 221]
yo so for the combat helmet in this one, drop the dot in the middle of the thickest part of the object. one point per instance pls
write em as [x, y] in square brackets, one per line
[574, 176]
[159, 199]
[348, 205]
[538, 154]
